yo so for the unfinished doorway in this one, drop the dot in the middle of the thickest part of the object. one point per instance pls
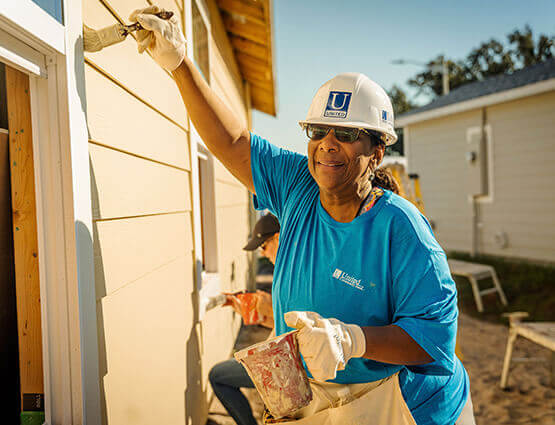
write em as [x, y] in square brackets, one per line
[9, 356]
[22, 363]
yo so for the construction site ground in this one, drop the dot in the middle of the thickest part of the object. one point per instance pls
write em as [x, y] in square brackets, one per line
[529, 400]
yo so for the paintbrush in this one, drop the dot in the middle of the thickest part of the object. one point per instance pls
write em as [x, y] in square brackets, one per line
[96, 40]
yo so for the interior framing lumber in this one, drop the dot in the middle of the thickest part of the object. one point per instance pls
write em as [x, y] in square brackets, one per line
[24, 221]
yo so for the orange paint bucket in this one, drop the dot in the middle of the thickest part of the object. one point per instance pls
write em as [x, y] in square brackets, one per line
[248, 302]
[277, 372]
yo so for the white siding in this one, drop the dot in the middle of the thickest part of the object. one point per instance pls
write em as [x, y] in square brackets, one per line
[522, 206]
[524, 168]
[437, 155]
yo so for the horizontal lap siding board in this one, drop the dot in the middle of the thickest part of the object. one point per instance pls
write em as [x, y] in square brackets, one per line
[138, 72]
[129, 249]
[224, 85]
[524, 153]
[233, 231]
[118, 119]
[230, 194]
[437, 155]
[147, 341]
[126, 186]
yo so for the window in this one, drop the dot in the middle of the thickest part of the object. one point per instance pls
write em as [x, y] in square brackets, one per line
[200, 43]
[207, 211]
[52, 7]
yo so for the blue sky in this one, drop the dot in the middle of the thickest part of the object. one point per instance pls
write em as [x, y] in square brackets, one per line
[315, 40]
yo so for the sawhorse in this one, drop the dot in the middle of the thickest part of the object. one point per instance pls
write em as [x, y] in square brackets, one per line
[474, 272]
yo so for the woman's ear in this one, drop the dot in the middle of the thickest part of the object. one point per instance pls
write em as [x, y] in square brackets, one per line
[377, 156]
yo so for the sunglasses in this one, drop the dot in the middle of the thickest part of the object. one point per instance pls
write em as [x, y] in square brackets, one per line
[343, 134]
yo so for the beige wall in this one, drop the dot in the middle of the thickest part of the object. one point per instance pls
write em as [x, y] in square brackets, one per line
[523, 156]
[155, 355]
[436, 152]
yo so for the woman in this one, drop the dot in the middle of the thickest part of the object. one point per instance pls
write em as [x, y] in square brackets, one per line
[358, 270]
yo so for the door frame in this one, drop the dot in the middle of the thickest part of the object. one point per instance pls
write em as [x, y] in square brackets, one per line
[51, 54]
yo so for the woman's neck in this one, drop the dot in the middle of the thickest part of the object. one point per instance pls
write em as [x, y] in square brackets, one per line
[344, 207]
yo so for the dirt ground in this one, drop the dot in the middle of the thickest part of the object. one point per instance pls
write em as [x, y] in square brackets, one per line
[529, 399]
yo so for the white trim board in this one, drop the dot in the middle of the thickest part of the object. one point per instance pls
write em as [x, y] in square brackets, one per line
[28, 20]
[479, 102]
[20, 56]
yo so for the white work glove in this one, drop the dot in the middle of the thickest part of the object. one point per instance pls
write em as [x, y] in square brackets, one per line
[326, 344]
[163, 38]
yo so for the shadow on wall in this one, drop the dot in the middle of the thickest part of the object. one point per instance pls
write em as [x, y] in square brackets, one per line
[100, 285]
[195, 394]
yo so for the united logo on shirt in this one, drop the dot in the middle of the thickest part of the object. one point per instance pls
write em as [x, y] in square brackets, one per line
[349, 280]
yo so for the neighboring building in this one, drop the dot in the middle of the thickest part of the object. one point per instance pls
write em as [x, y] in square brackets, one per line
[134, 220]
[485, 154]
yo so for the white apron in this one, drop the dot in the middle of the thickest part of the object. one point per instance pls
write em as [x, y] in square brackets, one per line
[374, 403]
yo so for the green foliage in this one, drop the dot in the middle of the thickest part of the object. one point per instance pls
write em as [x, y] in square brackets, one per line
[528, 287]
[490, 58]
[399, 100]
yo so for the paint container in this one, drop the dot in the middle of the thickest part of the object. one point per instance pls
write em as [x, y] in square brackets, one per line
[277, 372]
[248, 302]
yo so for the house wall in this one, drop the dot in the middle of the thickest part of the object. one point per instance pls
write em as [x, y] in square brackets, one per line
[524, 167]
[523, 154]
[154, 353]
[437, 154]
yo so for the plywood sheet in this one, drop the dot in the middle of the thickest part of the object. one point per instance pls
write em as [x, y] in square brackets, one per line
[128, 249]
[125, 186]
[126, 123]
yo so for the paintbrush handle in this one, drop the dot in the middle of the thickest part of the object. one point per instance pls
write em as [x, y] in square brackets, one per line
[137, 26]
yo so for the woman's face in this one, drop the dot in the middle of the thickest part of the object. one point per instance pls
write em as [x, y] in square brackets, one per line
[341, 167]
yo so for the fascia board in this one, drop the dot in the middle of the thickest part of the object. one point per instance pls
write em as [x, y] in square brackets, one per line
[479, 102]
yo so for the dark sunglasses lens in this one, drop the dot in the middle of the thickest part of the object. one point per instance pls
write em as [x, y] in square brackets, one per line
[315, 132]
[346, 135]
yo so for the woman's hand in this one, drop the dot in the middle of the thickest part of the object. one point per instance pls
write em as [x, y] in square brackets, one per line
[162, 38]
[326, 344]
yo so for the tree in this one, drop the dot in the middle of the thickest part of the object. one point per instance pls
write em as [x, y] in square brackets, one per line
[401, 104]
[488, 59]
[400, 100]
[524, 49]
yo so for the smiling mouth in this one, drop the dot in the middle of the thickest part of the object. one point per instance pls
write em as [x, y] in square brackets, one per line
[331, 164]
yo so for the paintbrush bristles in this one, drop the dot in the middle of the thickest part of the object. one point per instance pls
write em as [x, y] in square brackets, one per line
[96, 40]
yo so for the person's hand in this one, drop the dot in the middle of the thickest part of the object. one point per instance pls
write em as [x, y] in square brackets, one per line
[162, 38]
[326, 344]
[231, 300]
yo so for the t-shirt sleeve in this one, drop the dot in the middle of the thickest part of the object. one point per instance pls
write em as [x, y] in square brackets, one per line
[274, 171]
[425, 302]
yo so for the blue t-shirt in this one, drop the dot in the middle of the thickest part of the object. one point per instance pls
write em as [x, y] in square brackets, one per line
[384, 267]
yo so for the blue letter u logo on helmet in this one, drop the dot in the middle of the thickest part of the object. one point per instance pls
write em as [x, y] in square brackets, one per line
[338, 104]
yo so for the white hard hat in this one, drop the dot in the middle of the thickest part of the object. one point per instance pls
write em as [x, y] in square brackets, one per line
[353, 100]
